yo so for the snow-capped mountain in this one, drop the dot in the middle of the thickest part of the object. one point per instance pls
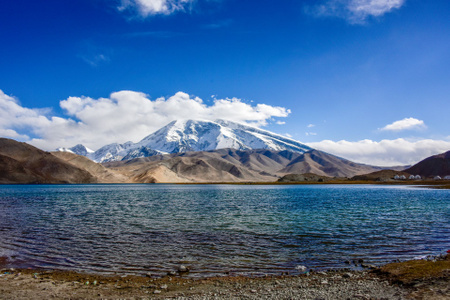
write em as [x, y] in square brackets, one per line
[193, 135]
[78, 149]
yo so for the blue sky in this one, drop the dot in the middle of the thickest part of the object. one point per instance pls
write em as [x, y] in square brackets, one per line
[368, 80]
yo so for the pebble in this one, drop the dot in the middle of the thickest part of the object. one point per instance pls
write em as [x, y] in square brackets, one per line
[164, 287]
[183, 269]
[347, 275]
[301, 268]
[157, 292]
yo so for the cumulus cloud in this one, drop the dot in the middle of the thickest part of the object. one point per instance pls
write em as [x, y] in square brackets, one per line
[14, 117]
[356, 11]
[385, 152]
[154, 7]
[123, 116]
[405, 124]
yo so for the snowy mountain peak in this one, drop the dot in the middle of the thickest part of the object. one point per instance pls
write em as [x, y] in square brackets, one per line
[78, 149]
[198, 135]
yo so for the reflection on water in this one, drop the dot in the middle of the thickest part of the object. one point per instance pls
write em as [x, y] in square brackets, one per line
[217, 229]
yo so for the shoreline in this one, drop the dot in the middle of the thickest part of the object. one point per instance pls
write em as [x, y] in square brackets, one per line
[443, 184]
[414, 279]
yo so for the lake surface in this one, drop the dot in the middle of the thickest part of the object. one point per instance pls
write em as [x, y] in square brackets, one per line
[218, 229]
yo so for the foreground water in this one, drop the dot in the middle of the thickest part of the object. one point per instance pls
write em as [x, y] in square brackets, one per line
[218, 229]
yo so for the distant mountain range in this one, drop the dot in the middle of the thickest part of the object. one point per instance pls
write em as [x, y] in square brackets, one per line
[193, 135]
[195, 151]
[231, 165]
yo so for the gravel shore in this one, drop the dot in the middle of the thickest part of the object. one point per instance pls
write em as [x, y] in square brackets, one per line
[407, 280]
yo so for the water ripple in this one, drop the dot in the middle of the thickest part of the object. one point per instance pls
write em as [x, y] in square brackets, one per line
[215, 229]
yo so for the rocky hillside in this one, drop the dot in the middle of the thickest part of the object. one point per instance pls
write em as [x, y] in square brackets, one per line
[325, 164]
[231, 165]
[436, 165]
[102, 174]
[23, 163]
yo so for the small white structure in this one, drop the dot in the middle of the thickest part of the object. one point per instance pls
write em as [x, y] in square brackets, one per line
[411, 177]
[437, 177]
[403, 177]
[417, 177]
[396, 177]
[447, 177]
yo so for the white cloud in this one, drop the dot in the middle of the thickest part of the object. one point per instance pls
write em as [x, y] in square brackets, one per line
[281, 122]
[310, 125]
[154, 7]
[357, 11]
[385, 152]
[123, 116]
[14, 117]
[9, 133]
[405, 124]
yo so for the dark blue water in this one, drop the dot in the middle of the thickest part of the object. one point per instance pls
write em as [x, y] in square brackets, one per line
[215, 229]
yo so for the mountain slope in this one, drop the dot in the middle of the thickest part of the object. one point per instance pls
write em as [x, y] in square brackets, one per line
[102, 174]
[432, 166]
[23, 163]
[325, 164]
[193, 135]
[204, 166]
[231, 165]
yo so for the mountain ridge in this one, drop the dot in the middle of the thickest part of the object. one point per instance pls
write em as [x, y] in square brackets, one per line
[195, 135]
[436, 165]
[23, 163]
[231, 165]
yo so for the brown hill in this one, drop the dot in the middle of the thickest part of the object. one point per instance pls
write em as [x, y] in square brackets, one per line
[382, 175]
[230, 165]
[307, 177]
[436, 165]
[324, 164]
[102, 174]
[23, 163]
[210, 166]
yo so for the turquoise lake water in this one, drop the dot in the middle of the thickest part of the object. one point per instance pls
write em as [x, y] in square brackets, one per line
[218, 229]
